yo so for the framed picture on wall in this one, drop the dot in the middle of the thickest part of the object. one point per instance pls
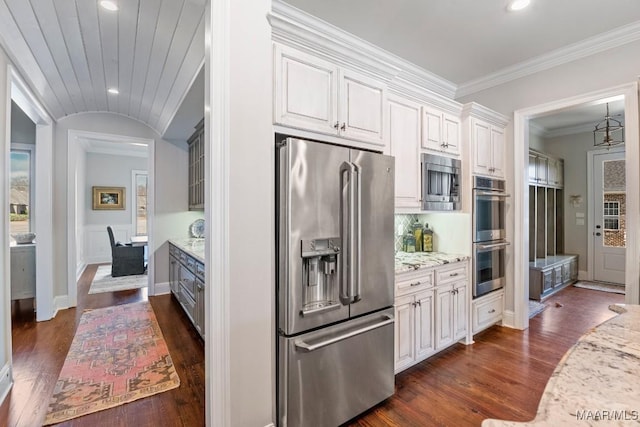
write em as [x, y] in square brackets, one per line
[108, 198]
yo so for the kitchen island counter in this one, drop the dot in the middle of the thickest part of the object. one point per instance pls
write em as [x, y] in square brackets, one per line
[595, 380]
[410, 261]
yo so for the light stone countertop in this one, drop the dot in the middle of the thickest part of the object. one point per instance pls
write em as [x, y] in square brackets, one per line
[596, 382]
[410, 261]
[192, 246]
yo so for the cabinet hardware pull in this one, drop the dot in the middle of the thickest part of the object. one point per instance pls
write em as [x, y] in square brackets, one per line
[336, 125]
[453, 274]
[493, 310]
[343, 127]
[416, 284]
[419, 303]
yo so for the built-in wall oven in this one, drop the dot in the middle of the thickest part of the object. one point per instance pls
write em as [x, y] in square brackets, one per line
[489, 233]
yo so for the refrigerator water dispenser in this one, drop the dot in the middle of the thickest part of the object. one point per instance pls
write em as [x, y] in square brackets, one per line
[320, 275]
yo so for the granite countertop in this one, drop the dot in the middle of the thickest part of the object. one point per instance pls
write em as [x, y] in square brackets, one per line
[192, 246]
[595, 382]
[410, 261]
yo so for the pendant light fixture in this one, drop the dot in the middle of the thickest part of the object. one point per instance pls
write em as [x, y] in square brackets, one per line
[608, 132]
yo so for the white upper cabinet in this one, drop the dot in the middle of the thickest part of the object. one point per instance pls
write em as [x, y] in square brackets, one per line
[361, 107]
[404, 144]
[306, 91]
[315, 95]
[488, 148]
[440, 131]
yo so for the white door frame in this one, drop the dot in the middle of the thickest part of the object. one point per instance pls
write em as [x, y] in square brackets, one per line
[24, 98]
[591, 206]
[74, 150]
[521, 199]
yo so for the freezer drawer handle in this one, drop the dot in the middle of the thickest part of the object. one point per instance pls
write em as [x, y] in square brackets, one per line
[312, 347]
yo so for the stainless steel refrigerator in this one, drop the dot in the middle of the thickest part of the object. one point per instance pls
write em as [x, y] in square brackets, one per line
[335, 281]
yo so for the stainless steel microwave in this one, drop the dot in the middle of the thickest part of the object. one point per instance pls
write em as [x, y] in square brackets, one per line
[441, 178]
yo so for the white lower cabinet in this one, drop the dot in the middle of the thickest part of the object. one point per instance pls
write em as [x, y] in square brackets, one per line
[429, 320]
[487, 310]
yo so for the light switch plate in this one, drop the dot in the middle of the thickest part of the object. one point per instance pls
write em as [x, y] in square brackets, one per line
[579, 214]
[579, 221]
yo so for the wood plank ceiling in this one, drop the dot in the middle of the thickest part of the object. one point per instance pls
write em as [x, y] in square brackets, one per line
[72, 51]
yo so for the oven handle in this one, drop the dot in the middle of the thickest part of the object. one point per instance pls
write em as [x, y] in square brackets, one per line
[492, 246]
[491, 193]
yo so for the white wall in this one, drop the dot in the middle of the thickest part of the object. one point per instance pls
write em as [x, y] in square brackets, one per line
[116, 125]
[251, 198]
[573, 149]
[5, 298]
[23, 130]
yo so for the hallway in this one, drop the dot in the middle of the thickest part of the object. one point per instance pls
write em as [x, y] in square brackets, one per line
[39, 350]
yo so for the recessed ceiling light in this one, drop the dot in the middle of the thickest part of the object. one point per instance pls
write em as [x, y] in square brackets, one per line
[113, 90]
[518, 4]
[109, 5]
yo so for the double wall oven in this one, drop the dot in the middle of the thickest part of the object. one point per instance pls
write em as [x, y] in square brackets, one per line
[489, 235]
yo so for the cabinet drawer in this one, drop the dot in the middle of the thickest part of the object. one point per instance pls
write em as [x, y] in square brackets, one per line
[174, 251]
[200, 270]
[487, 311]
[451, 273]
[418, 280]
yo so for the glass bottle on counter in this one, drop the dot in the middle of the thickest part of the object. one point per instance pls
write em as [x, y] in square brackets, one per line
[416, 229]
[409, 243]
[427, 238]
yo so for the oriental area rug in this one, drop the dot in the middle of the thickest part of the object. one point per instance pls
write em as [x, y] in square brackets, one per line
[118, 355]
[103, 282]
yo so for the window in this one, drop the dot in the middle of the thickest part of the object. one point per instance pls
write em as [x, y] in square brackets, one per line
[611, 212]
[140, 202]
[21, 186]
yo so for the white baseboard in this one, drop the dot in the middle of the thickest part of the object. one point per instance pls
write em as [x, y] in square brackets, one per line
[80, 269]
[583, 275]
[97, 260]
[61, 302]
[161, 288]
[508, 318]
[6, 381]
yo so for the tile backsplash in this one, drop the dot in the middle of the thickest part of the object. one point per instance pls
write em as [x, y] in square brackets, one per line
[403, 222]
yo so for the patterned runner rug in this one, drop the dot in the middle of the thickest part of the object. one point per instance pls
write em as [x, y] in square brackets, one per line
[103, 282]
[118, 355]
[535, 308]
[598, 286]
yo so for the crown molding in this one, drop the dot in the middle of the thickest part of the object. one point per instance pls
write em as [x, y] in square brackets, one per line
[474, 109]
[294, 27]
[587, 47]
[536, 129]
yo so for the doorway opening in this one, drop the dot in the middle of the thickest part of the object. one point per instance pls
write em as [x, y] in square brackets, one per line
[524, 121]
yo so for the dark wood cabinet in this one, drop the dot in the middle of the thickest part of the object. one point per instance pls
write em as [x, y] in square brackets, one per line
[196, 168]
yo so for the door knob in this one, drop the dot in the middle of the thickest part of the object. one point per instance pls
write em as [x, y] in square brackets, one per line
[597, 226]
[598, 234]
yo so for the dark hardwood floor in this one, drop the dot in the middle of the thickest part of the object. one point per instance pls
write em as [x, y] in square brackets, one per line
[502, 375]
[39, 350]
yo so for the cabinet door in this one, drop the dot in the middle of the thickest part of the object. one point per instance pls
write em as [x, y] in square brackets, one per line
[497, 152]
[533, 163]
[425, 317]
[305, 91]
[547, 280]
[481, 137]
[361, 108]
[174, 278]
[542, 170]
[444, 316]
[574, 269]
[404, 332]
[199, 315]
[460, 310]
[451, 133]
[432, 132]
[404, 140]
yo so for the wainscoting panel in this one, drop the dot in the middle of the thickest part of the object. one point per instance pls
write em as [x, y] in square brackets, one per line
[97, 248]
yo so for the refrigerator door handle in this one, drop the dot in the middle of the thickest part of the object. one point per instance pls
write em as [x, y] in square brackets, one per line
[346, 213]
[306, 347]
[356, 249]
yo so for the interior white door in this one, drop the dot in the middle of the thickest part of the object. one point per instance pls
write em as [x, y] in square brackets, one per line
[609, 234]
